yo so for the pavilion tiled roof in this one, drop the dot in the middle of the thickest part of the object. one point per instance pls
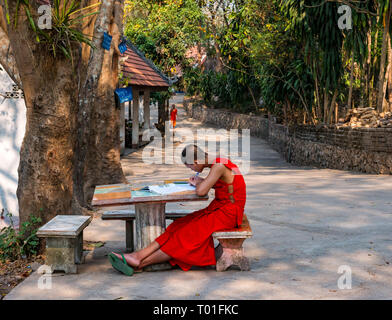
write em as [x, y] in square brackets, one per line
[141, 71]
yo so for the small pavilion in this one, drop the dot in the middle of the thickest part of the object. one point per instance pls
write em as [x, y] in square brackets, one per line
[144, 77]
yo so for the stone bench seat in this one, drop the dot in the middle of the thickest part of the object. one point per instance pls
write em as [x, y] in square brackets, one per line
[129, 217]
[232, 252]
[64, 241]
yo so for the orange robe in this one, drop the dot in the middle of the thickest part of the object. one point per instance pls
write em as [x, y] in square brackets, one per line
[188, 240]
[173, 117]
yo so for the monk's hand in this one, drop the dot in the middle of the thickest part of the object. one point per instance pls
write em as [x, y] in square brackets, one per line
[194, 181]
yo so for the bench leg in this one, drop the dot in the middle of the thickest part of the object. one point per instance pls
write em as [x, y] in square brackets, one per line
[232, 255]
[129, 244]
[62, 254]
[79, 248]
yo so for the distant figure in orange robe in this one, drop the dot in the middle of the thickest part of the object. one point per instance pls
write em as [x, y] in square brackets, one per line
[173, 115]
[188, 241]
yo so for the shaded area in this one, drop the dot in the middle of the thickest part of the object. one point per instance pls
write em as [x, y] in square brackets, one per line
[306, 223]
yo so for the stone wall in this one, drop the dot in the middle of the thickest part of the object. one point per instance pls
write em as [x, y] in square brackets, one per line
[226, 119]
[358, 149]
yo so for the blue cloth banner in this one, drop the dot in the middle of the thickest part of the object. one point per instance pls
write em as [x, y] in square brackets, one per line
[124, 94]
[107, 40]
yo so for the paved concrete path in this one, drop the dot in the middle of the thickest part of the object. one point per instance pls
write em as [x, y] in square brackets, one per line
[307, 223]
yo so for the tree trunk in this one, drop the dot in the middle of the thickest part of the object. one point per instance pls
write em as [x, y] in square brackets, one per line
[385, 103]
[381, 78]
[318, 98]
[326, 103]
[162, 116]
[97, 148]
[332, 107]
[350, 92]
[72, 138]
[45, 168]
[219, 66]
[253, 98]
[373, 68]
[368, 63]
[389, 75]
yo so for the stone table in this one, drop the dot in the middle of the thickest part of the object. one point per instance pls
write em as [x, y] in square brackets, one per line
[150, 210]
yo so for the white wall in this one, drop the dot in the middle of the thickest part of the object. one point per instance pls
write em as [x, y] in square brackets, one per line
[12, 129]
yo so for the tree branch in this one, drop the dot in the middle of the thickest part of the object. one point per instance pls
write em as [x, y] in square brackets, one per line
[350, 3]
[7, 59]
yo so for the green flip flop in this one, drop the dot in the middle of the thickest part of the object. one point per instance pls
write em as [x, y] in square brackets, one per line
[120, 265]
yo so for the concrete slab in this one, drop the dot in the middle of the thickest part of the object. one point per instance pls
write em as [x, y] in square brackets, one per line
[307, 223]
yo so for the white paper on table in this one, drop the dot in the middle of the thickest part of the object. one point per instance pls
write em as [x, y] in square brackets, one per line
[171, 188]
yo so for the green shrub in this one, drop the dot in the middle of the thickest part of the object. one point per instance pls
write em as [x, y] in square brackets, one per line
[192, 79]
[15, 244]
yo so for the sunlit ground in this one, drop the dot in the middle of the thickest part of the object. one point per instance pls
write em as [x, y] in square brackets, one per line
[306, 222]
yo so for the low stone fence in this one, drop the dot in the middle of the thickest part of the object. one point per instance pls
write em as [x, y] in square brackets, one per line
[358, 149]
[226, 119]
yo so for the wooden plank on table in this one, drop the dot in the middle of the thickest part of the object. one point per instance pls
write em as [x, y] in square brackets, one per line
[109, 192]
[112, 195]
[175, 180]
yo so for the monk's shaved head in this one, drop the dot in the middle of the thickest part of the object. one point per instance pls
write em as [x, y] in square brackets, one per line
[191, 153]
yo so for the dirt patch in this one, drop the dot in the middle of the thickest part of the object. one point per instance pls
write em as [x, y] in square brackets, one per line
[14, 272]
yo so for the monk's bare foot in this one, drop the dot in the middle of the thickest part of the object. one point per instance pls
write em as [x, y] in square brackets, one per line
[130, 258]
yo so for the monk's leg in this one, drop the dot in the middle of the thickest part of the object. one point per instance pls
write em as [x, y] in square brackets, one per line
[134, 258]
[157, 257]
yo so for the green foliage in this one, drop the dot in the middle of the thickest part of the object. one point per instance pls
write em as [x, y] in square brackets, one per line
[294, 83]
[290, 53]
[67, 17]
[164, 31]
[192, 77]
[316, 24]
[16, 244]
[7, 14]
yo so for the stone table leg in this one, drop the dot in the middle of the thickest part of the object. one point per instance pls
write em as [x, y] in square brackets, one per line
[129, 236]
[150, 223]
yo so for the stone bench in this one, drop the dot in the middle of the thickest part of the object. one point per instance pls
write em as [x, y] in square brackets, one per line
[64, 242]
[129, 217]
[232, 253]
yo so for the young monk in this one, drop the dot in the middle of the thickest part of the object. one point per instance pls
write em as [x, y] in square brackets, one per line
[173, 115]
[188, 241]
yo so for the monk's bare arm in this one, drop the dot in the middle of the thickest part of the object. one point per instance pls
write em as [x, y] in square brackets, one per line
[204, 185]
